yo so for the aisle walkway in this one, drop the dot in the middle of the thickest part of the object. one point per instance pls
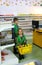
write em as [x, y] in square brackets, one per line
[36, 54]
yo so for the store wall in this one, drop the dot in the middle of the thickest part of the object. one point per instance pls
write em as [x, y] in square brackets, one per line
[20, 7]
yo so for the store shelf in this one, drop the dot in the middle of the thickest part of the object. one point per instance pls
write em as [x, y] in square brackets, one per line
[5, 27]
[26, 27]
[6, 16]
[28, 33]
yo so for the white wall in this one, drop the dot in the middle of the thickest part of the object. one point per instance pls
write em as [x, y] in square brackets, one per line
[15, 10]
[20, 8]
[36, 10]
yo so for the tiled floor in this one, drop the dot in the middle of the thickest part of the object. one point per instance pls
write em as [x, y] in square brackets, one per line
[36, 53]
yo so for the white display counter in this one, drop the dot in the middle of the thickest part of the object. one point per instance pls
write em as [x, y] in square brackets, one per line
[10, 59]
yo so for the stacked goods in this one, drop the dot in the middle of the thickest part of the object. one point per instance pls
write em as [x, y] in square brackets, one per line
[7, 38]
[24, 49]
[1, 36]
[6, 42]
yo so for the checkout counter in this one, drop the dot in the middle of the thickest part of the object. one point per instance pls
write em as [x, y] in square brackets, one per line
[37, 37]
[37, 33]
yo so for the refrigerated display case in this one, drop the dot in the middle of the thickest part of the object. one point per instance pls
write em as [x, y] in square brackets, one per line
[6, 56]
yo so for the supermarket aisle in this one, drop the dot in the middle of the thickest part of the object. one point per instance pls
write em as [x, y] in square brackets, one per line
[36, 54]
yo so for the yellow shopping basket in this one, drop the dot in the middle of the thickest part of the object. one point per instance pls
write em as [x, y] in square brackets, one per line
[25, 49]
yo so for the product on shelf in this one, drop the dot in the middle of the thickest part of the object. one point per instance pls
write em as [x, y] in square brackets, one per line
[6, 42]
[1, 36]
[2, 58]
[4, 53]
